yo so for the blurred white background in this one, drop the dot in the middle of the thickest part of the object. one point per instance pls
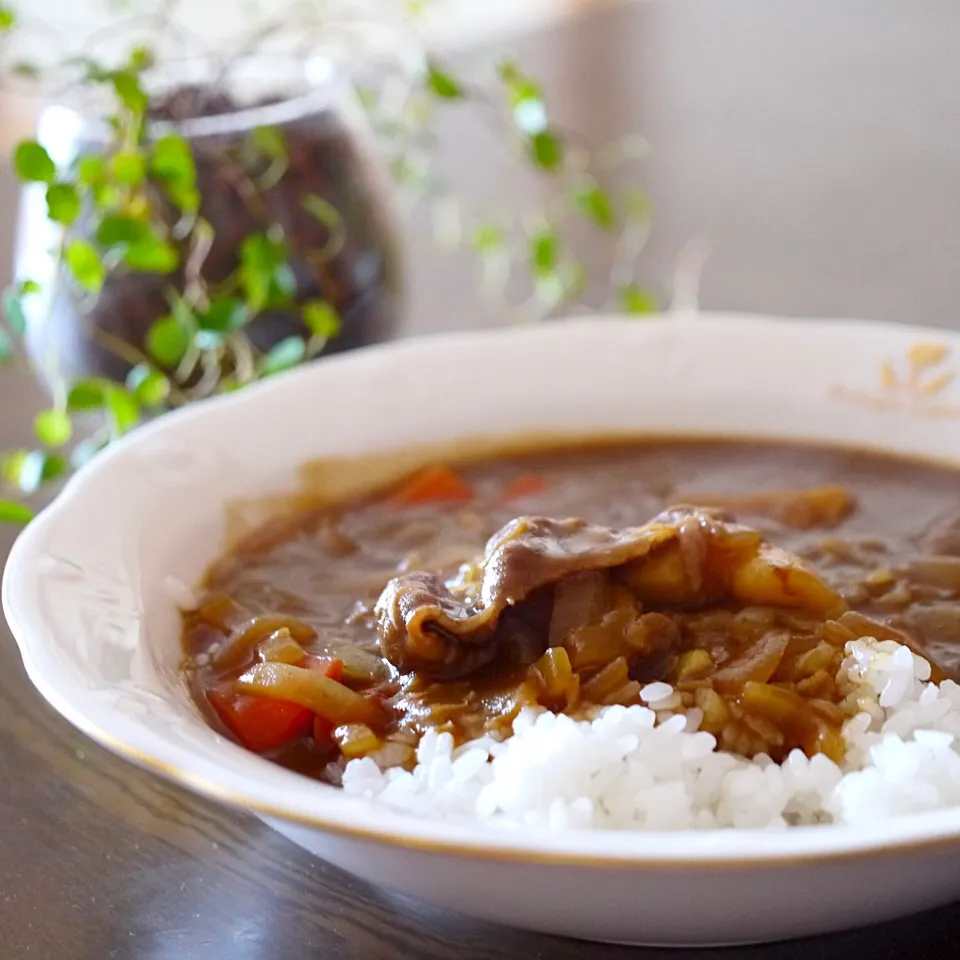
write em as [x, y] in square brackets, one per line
[226, 18]
[51, 29]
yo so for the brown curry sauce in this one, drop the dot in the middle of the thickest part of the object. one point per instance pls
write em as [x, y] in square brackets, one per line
[883, 532]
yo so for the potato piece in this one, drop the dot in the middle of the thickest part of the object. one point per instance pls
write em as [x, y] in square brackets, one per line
[355, 740]
[661, 577]
[554, 672]
[694, 663]
[776, 578]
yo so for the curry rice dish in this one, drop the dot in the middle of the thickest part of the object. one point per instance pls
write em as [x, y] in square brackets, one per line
[661, 635]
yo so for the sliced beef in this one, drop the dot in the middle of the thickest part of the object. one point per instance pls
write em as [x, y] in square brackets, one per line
[682, 559]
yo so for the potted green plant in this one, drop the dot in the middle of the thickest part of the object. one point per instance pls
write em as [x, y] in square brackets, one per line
[194, 226]
[199, 224]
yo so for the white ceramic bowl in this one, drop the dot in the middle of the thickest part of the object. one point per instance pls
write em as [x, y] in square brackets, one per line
[84, 592]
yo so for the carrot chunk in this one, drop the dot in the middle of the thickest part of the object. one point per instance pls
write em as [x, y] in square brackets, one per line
[329, 666]
[259, 723]
[526, 485]
[432, 485]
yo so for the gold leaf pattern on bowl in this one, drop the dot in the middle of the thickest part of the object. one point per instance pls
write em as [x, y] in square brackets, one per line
[916, 384]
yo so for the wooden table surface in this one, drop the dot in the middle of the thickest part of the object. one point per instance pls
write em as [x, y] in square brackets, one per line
[813, 150]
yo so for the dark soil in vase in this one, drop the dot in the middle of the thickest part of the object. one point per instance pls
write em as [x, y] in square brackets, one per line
[358, 277]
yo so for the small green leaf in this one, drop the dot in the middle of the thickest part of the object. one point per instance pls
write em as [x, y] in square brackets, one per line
[167, 341]
[12, 465]
[16, 514]
[141, 58]
[54, 466]
[184, 196]
[128, 167]
[8, 19]
[151, 255]
[442, 84]
[91, 169]
[126, 83]
[53, 428]
[28, 286]
[321, 319]
[32, 163]
[518, 84]
[637, 301]
[13, 310]
[261, 251]
[596, 204]
[224, 315]
[122, 409]
[270, 142]
[525, 91]
[172, 161]
[256, 286]
[84, 263]
[487, 238]
[105, 196]
[85, 395]
[546, 150]
[284, 355]
[116, 229]
[264, 273]
[150, 387]
[90, 68]
[543, 251]
[526, 99]
[35, 468]
[63, 203]
[26, 70]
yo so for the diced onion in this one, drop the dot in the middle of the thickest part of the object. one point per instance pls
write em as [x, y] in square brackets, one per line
[311, 689]
[355, 740]
[361, 667]
[611, 678]
[281, 648]
[241, 643]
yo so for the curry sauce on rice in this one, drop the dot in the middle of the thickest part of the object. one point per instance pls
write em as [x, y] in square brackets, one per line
[661, 635]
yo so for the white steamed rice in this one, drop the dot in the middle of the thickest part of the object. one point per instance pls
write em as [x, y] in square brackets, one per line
[646, 768]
